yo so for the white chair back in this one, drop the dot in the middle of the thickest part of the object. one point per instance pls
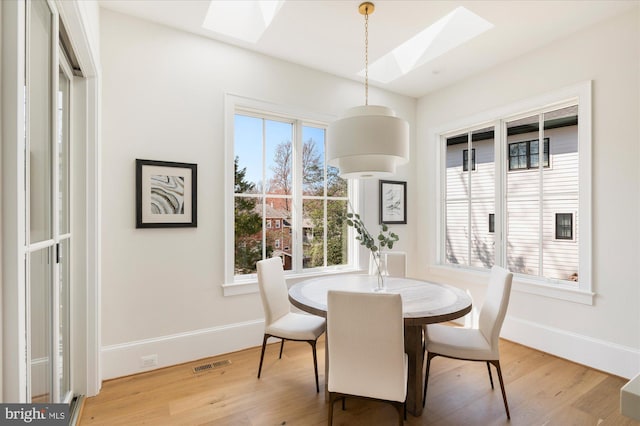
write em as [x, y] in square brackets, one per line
[495, 305]
[396, 264]
[273, 289]
[395, 261]
[365, 333]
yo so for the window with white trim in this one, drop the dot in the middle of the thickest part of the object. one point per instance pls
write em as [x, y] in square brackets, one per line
[524, 155]
[465, 160]
[526, 233]
[280, 175]
[564, 226]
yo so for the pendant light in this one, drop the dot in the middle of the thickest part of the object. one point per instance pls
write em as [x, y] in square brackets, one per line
[369, 141]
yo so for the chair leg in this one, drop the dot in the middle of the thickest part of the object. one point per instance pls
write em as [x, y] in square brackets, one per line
[264, 345]
[281, 348]
[331, 401]
[490, 377]
[426, 376]
[315, 363]
[504, 394]
[333, 396]
[399, 408]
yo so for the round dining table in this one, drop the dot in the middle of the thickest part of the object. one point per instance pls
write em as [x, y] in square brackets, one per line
[422, 302]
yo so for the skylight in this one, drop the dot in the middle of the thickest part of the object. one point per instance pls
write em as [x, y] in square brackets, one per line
[243, 20]
[449, 32]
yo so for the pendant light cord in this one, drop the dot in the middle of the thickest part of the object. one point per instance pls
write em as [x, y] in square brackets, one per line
[366, 57]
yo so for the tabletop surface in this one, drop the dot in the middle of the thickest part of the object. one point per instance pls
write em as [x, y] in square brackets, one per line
[423, 302]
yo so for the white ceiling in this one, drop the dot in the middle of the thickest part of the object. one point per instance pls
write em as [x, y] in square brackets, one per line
[329, 35]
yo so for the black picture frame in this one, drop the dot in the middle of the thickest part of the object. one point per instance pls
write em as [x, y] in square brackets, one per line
[393, 202]
[166, 194]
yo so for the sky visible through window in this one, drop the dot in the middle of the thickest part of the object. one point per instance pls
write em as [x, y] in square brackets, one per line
[248, 143]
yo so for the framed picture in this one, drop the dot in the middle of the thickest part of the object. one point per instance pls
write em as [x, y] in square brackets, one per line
[393, 202]
[166, 194]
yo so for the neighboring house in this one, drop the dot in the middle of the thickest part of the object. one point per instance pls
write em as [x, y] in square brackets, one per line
[558, 186]
[279, 235]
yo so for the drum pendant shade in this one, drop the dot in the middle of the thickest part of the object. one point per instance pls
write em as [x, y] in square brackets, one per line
[368, 142]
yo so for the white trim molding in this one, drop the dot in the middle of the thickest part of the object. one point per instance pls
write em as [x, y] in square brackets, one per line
[81, 20]
[125, 358]
[605, 356]
[464, 276]
[578, 94]
[250, 285]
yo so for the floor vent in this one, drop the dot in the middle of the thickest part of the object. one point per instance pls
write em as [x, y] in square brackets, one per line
[211, 366]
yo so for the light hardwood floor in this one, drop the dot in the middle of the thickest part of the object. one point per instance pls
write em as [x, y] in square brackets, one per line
[541, 389]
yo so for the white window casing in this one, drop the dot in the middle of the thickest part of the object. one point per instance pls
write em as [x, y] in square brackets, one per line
[580, 95]
[235, 285]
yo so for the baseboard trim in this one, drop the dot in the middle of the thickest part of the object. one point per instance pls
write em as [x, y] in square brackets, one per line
[605, 356]
[125, 359]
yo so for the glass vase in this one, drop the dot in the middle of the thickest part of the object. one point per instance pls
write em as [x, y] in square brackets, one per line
[380, 270]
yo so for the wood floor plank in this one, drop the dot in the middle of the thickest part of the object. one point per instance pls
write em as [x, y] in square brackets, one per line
[541, 389]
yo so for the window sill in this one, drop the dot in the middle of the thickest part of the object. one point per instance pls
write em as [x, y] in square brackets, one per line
[250, 285]
[553, 290]
[521, 283]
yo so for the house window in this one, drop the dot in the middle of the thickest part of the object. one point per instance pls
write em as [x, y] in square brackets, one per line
[280, 171]
[529, 240]
[465, 160]
[525, 155]
[564, 226]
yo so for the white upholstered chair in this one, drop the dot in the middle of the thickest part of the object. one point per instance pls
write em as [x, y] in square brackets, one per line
[365, 334]
[475, 344]
[280, 322]
[396, 264]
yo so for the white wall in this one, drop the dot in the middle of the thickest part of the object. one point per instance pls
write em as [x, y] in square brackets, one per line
[607, 334]
[163, 99]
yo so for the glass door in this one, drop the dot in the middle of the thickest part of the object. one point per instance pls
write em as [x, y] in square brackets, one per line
[48, 236]
[62, 345]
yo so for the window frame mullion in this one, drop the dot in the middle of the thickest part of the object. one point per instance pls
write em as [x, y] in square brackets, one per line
[469, 198]
[541, 196]
[297, 200]
[263, 193]
[502, 158]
